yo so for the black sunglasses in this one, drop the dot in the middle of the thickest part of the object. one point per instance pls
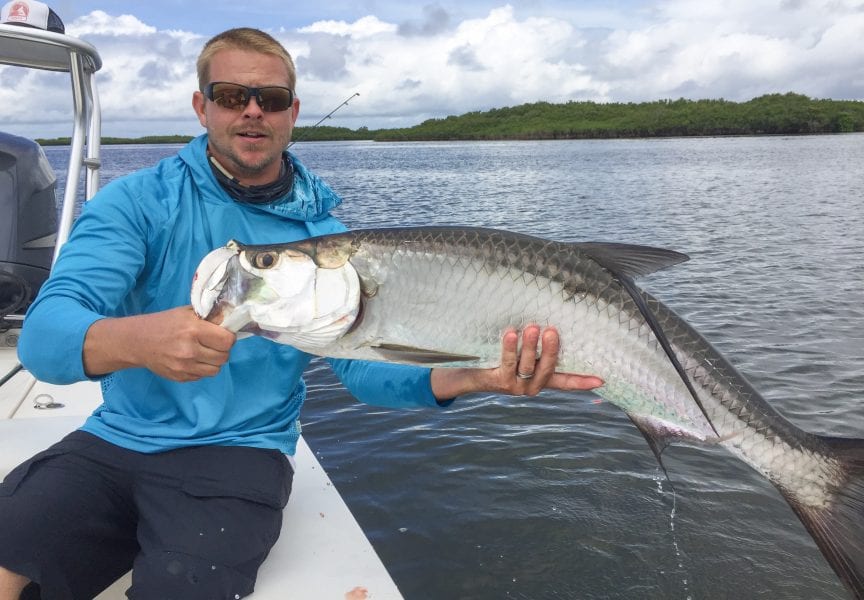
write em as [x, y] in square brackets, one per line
[233, 96]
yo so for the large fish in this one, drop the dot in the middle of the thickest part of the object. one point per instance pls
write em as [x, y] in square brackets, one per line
[443, 297]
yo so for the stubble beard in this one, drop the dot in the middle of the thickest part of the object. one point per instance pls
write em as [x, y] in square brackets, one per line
[245, 168]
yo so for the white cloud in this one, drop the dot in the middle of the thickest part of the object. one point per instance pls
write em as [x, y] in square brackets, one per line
[439, 65]
[147, 74]
[365, 27]
[482, 63]
[101, 23]
[740, 48]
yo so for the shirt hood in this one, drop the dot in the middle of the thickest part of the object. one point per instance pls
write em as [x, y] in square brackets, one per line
[310, 198]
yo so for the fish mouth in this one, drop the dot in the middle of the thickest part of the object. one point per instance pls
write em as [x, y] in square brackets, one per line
[288, 297]
[216, 288]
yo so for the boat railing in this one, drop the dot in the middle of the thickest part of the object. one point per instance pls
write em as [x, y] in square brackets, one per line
[38, 49]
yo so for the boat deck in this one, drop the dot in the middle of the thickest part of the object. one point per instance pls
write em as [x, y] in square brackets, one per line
[322, 552]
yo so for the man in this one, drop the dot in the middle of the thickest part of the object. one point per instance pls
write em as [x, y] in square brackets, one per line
[195, 425]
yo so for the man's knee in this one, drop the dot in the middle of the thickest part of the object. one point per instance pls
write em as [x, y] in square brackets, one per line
[11, 584]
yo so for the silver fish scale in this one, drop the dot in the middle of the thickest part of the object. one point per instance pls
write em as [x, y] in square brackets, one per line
[517, 281]
[444, 274]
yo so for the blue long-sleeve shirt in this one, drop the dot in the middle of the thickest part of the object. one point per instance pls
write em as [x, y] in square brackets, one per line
[134, 250]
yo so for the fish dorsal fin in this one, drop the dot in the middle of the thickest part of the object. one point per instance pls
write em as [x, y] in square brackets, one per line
[631, 260]
[421, 356]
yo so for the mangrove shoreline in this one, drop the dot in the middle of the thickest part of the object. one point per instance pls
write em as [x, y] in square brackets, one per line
[771, 114]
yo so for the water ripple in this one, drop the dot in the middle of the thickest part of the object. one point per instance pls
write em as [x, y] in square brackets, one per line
[557, 497]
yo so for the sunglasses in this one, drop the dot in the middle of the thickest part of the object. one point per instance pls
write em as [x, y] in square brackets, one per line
[233, 96]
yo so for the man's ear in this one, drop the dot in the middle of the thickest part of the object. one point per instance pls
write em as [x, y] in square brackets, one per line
[295, 110]
[198, 103]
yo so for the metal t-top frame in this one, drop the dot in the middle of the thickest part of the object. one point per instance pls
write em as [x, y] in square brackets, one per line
[37, 49]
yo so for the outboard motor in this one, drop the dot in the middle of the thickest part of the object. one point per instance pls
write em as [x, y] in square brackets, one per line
[28, 226]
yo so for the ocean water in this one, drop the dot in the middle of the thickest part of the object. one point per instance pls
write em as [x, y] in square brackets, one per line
[559, 496]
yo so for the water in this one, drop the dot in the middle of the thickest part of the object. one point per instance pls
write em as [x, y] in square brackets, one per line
[559, 496]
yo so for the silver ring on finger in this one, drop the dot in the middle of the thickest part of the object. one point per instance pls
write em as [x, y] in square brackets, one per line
[522, 375]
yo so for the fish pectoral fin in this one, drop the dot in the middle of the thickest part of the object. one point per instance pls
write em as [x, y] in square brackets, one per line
[419, 356]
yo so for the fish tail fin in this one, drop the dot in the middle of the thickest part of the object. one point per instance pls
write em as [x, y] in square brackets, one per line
[838, 526]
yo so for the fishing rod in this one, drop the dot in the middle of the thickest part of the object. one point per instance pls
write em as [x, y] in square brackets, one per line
[325, 117]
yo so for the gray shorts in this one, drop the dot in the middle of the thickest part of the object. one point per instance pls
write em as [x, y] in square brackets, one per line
[194, 523]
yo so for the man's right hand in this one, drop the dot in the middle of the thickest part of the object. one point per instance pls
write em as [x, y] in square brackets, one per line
[175, 344]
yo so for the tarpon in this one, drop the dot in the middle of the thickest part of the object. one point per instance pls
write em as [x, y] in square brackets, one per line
[443, 296]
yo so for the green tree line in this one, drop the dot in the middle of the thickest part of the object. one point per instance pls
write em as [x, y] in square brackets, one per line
[771, 114]
[108, 141]
[766, 115]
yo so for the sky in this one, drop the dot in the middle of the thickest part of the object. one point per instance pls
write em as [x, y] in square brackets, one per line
[411, 62]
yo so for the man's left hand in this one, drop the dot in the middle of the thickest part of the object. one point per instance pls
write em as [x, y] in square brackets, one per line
[523, 372]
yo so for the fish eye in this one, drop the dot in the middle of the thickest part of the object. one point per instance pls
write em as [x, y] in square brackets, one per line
[264, 260]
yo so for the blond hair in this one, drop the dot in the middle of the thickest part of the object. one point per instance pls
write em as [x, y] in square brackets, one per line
[243, 38]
